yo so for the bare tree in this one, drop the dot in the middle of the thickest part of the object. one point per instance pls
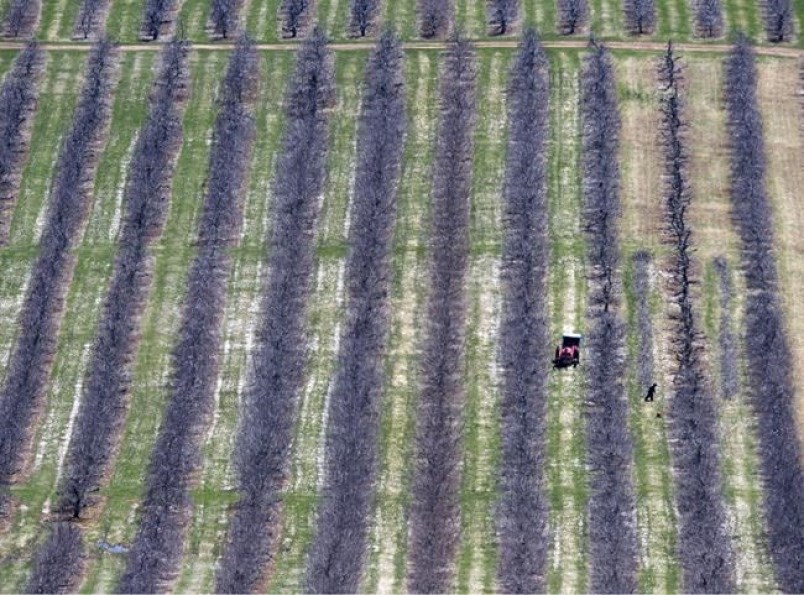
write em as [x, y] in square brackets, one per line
[363, 15]
[522, 512]
[295, 16]
[572, 16]
[708, 18]
[157, 18]
[435, 18]
[21, 18]
[434, 507]
[771, 391]
[89, 21]
[640, 16]
[609, 451]
[502, 15]
[269, 409]
[703, 545]
[18, 98]
[338, 549]
[779, 19]
[224, 17]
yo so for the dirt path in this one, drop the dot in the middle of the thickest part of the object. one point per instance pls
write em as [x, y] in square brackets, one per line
[633, 46]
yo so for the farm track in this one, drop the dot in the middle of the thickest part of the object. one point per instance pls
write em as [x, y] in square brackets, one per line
[629, 46]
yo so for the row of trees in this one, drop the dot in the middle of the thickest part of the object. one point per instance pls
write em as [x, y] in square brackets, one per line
[101, 413]
[768, 354]
[21, 18]
[270, 402]
[642, 264]
[339, 546]
[18, 98]
[729, 361]
[522, 516]
[703, 545]
[434, 512]
[40, 318]
[609, 452]
[155, 553]
[102, 409]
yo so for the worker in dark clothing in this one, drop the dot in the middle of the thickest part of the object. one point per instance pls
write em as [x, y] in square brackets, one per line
[651, 392]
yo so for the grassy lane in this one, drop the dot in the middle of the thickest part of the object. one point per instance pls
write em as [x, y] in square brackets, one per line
[784, 120]
[215, 491]
[402, 15]
[333, 15]
[194, 15]
[385, 567]
[158, 328]
[470, 17]
[743, 15]
[58, 18]
[260, 19]
[123, 22]
[642, 221]
[477, 558]
[324, 317]
[714, 236]
[566, 451]
[83, 306]
[540, 14]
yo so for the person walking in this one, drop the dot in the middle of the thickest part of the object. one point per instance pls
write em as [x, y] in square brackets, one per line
[651, 393]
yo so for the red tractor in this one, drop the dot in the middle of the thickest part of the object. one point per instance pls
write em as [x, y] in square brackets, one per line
[569, 352]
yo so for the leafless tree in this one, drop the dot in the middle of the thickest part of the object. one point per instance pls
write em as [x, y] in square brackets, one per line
[435, 18]
[572, 16]
[703, 545]
[434, 511]
[609, 451]
[522, 512]
[59, 563]
[502, 15]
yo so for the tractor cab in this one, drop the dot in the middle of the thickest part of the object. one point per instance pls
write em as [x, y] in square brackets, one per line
[568, 353]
